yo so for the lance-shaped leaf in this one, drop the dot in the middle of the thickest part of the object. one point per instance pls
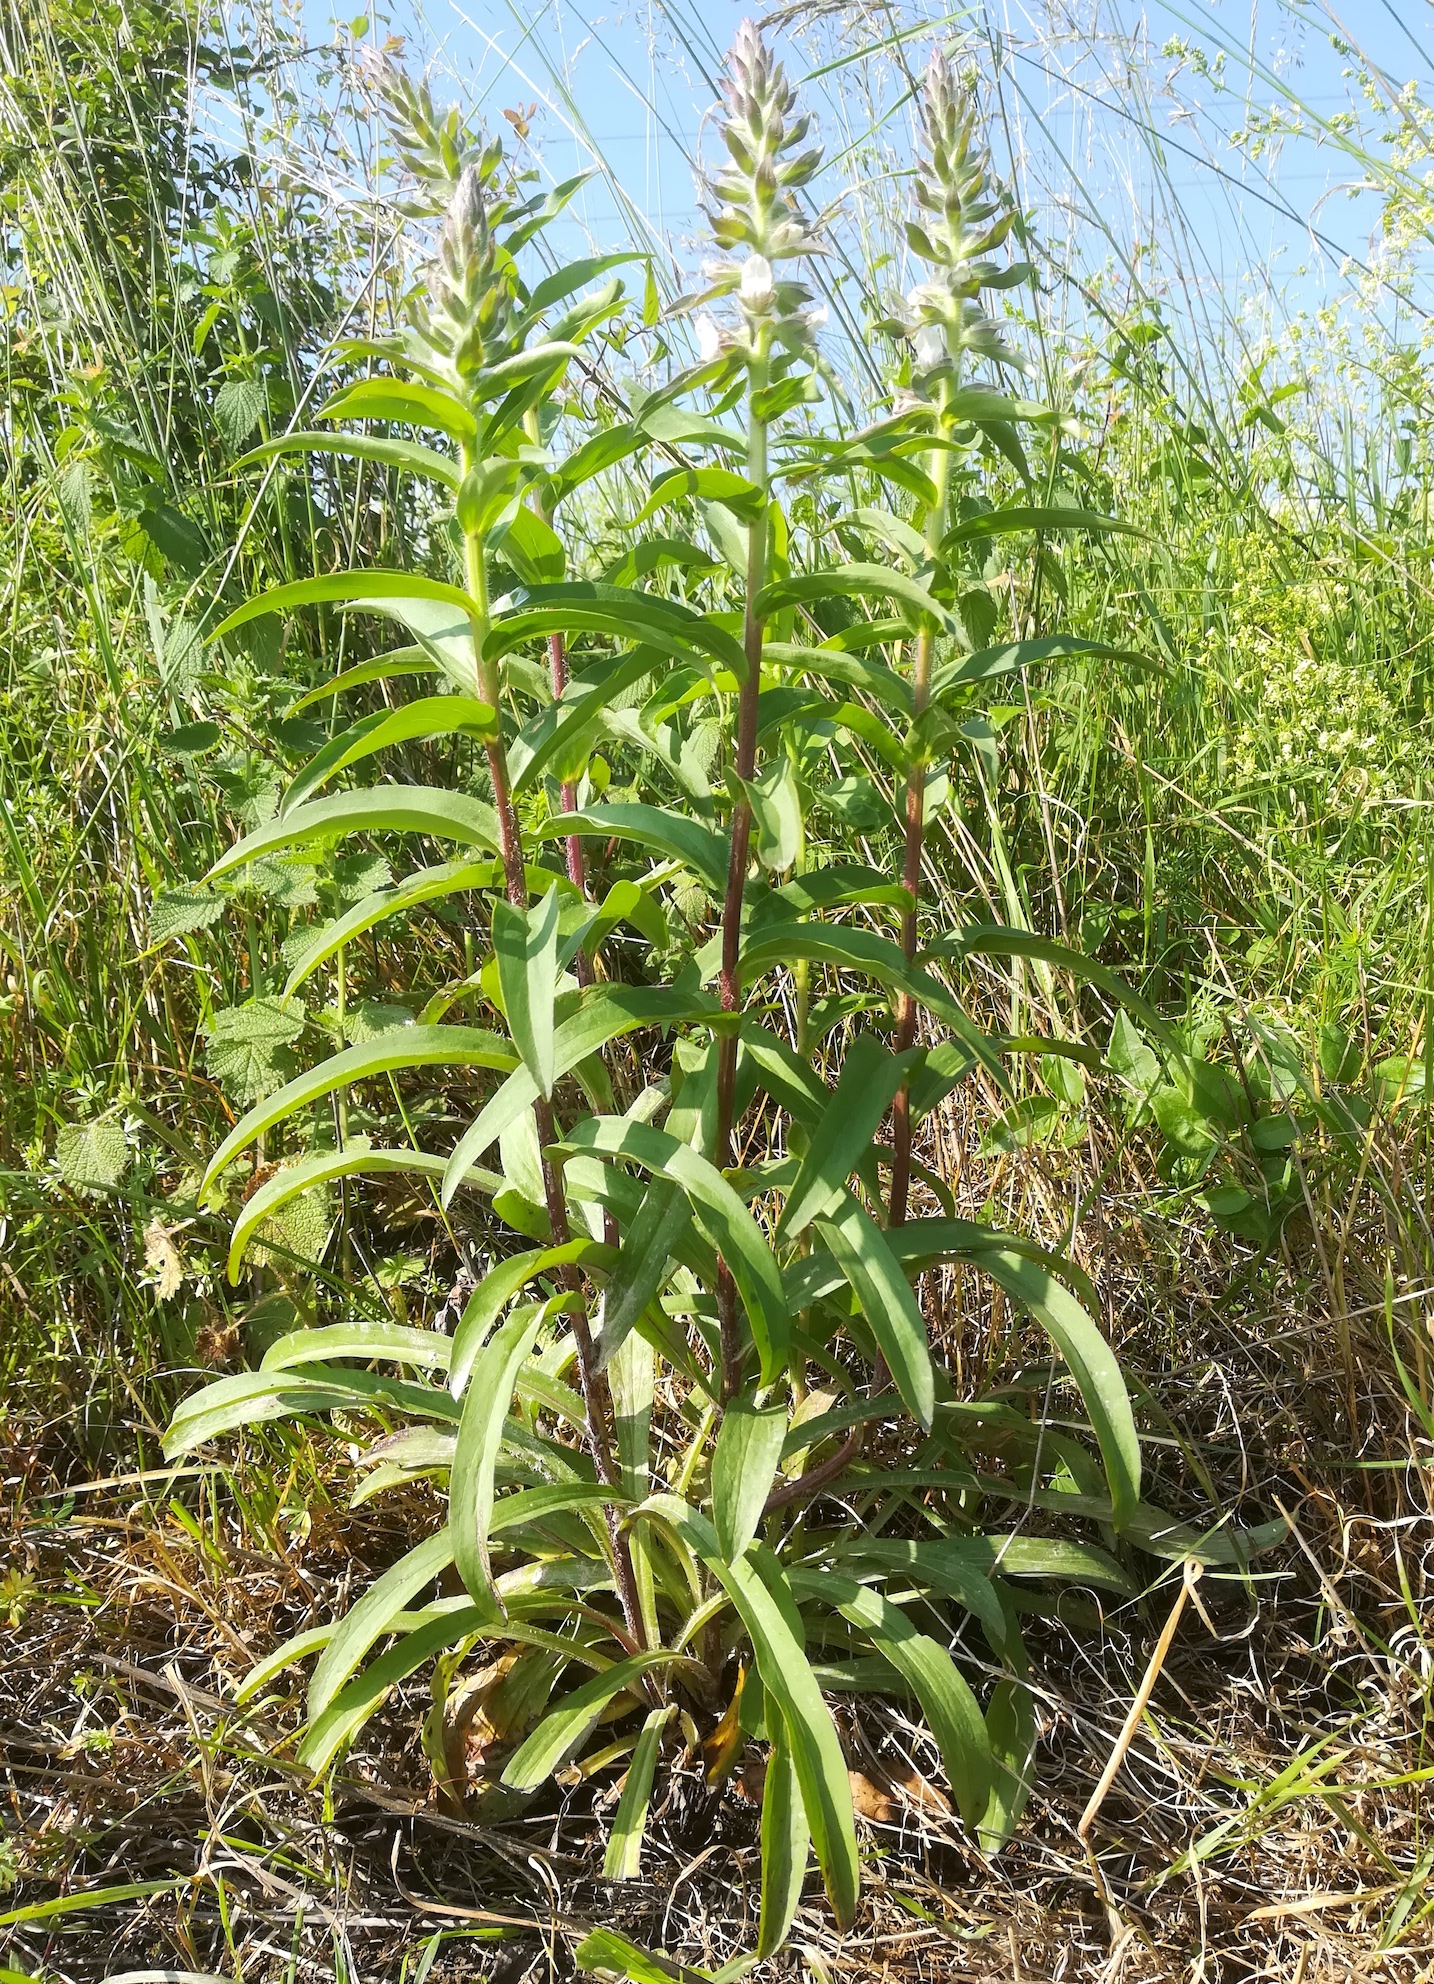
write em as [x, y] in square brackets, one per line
[354, 1160]
[769, 1613]
[854, 671]
[525, 943]
[950, 1708]
[858, 1246]
[424, 885]
[862, 950]
[480, 1434]
[1011, 1731]
[649, 1248]
[1017, 518]
[1089, 1359]
[1005, 660]
[426, 1350]
[570, 721]
[1000, 940]
[352, 1707]
[852, 582]
[870, 1077]
[397, 662]
[744, 1466]
[604, 1013]
[562, 1732]
[405, 1047]
[413, 809]
[584, 606]
[719, 1213]
[786, 1840]
[429, 716]
[745, 499]
[333, 587]
[410, 455]
[658, 827]
[403, 401]
[254, 1396]
[623, 1859]
[776, 802]
[570, 278]
[439, 629]
[374, 1615]
[496, 1290]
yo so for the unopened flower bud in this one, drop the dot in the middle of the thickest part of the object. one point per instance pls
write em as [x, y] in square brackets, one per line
[757, 289]
[709, 338]
[930, 343]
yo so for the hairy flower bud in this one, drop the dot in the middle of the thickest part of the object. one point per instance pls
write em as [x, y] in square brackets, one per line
[761, 132]
[964, 220]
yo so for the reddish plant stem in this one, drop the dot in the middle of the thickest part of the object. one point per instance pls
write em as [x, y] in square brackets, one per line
[577, 867]
[597, 1401]
[940, 471]
[730, 983]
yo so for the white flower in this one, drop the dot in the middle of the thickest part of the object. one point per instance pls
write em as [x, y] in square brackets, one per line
[709, 338]
[757, 290]
[816, 319]
[930, 342]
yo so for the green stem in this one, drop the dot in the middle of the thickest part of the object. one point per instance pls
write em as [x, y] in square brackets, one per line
[939, 469]
[730, 985]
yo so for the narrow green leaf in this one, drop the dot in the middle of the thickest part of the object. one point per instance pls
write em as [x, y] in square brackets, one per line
[340, 1721]
[870, 1077]
[399, 661]
[852, 582]
[714, 485]
[786, 1840]
[429, 716]
[744, 1466]
[612, 1955]
[562, 1732]
[951, 1709]
[1017, 518]
[414, 809]
[480, 1434]
[623, 1859]
[332, 587]
[786, 1674]
[1090, 1361]
[403, 401]
[405, 1047]
[859, 1248]
[670, 833]
[425, 885]
[1011, 1730]
[425, 1350]
[374, 1615]
[719, 1213]
[255, 1396]
[585, 606]
[854, 949]
[496, 1290]
[357, 1159]
[1014, 655]
[604, 1012]
[572, 719]
[525, 943]
[649, 1247]
[409, 455]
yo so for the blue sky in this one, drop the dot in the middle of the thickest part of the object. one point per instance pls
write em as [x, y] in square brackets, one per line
[628, 85]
